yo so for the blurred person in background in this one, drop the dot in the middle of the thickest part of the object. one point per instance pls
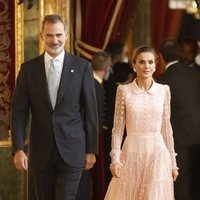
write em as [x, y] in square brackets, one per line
[184, 85]
[188, 51]
[92, 184]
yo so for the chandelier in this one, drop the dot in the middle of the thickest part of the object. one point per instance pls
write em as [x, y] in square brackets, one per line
[191, 6]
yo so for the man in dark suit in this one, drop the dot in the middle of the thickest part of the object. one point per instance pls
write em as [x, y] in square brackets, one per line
[184, 85]
[101, 64]
[94, 187]
[64, 132]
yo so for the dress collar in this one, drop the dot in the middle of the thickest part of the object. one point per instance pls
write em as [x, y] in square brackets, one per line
[137, 90]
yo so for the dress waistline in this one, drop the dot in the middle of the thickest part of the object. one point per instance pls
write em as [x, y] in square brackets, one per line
[144, 133]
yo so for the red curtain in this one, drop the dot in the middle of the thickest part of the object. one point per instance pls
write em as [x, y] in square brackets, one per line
[102, 21]
[121, 28]
[96, 16]
[7, 63]
[165, 24]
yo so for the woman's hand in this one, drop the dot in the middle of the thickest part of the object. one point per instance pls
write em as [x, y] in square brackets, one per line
[174, 174]
[116, 169]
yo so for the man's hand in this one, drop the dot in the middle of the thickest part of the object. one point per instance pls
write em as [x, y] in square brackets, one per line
[90, 159]
[20, 160]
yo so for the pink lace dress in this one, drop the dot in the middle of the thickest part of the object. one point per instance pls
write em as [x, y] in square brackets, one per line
[147, 154]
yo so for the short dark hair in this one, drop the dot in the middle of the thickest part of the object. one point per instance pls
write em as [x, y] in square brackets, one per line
[114, 48]
[53, 19]
[121, 71]
[170, 50]
[100, 60]
[192, 41]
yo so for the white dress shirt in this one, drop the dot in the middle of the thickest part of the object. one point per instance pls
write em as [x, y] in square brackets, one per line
[58, 63]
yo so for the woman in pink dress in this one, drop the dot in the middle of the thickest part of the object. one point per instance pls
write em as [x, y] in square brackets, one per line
[144, 168]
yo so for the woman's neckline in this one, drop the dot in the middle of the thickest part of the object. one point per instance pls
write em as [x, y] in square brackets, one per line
[141, 87]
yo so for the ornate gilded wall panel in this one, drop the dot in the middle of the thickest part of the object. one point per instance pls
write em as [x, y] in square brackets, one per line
[11, 56]
[19, 36]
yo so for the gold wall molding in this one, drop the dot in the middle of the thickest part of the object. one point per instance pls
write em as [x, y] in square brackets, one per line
[19, 36]
[4, 144]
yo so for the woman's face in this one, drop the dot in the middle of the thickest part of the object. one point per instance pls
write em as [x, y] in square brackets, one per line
[145, 65]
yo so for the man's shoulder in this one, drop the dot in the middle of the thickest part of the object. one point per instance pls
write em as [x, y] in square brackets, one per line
[76, 59]
[172, 72]
[34, 60]
[162, 77]
[32, 63]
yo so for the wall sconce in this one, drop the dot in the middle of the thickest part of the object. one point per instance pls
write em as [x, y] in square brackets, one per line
[191, 6]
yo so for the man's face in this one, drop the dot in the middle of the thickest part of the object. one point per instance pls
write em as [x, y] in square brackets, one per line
[54, 37]
[187, 54]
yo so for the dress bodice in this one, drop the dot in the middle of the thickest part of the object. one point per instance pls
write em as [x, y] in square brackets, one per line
[142, 112]
[143, 109]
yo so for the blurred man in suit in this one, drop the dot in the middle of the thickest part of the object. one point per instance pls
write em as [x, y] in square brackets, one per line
[92, 181]
[184, 85]
[58, 89]
[101, 64]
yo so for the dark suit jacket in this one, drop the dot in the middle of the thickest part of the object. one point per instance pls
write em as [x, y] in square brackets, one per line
[100, 103]
[72, 125]
[184, 85]
[110, 88]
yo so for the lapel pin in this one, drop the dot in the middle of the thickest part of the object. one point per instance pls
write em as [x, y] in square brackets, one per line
[72, 71]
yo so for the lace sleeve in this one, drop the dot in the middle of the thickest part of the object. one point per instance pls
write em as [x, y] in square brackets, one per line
[166, 128]
[118, 126]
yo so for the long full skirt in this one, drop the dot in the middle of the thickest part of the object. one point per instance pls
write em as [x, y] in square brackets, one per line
[146, 173]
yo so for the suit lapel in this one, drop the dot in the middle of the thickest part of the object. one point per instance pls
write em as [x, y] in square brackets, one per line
[42, 80]
[65, 76]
